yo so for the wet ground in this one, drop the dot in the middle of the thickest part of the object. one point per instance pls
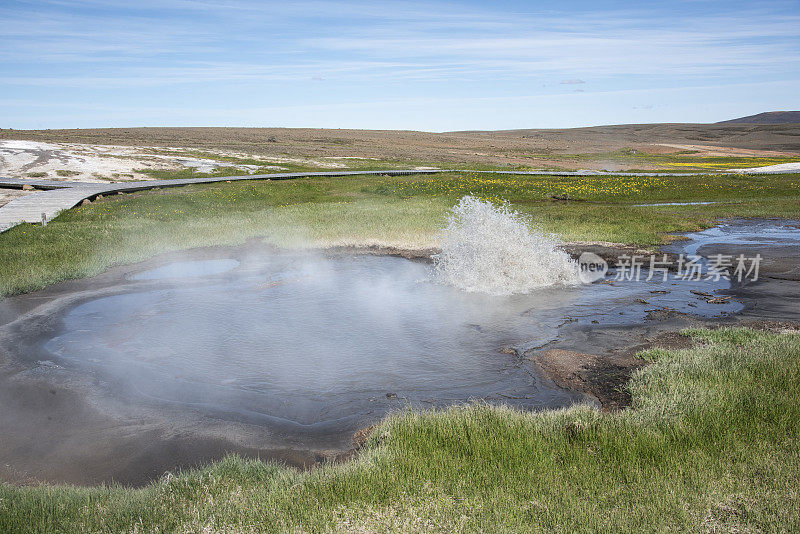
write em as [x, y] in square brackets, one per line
[173, 362]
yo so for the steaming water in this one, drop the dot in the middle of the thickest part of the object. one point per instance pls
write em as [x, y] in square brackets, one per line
[316, 342]
[310, 340]
[186, 269]
[313, 342]
[492, 249]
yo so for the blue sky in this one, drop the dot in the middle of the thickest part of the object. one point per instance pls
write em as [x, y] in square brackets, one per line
[432, 66]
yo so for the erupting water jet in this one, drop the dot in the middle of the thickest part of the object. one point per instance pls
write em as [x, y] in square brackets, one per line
[492, 249]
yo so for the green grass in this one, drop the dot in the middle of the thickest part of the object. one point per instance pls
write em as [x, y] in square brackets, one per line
[269, 167]
[710, 444]
[614, 189]
[405, 211]
[182, 174]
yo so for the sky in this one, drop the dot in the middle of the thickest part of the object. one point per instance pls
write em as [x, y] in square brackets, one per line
[432, 66]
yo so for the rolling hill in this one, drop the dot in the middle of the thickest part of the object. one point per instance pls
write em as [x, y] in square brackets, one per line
[769, 117]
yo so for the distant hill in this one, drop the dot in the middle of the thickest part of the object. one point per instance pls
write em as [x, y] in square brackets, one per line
[770, 117]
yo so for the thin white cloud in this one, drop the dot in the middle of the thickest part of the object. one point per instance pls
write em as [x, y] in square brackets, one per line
[100, 45]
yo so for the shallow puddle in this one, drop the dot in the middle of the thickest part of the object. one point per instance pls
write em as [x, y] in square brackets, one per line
[748, 236]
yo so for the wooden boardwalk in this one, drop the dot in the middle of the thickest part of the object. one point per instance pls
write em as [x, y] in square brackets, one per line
[54, 197]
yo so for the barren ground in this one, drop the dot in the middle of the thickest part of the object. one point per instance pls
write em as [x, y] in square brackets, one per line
[604, 147]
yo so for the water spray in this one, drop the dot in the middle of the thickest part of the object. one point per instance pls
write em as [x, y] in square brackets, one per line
[493, 249]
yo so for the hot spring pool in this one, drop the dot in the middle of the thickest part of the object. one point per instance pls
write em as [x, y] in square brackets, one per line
[307, 340]
[182, 359]
[312, 341]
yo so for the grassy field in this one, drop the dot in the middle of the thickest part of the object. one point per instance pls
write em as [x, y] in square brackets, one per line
[405, 212]
[684, 160]
[629, 159]
[267, 167]
[710, 444]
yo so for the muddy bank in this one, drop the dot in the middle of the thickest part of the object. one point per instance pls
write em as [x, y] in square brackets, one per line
[610, 252]
[600, 361]
[605, 377]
